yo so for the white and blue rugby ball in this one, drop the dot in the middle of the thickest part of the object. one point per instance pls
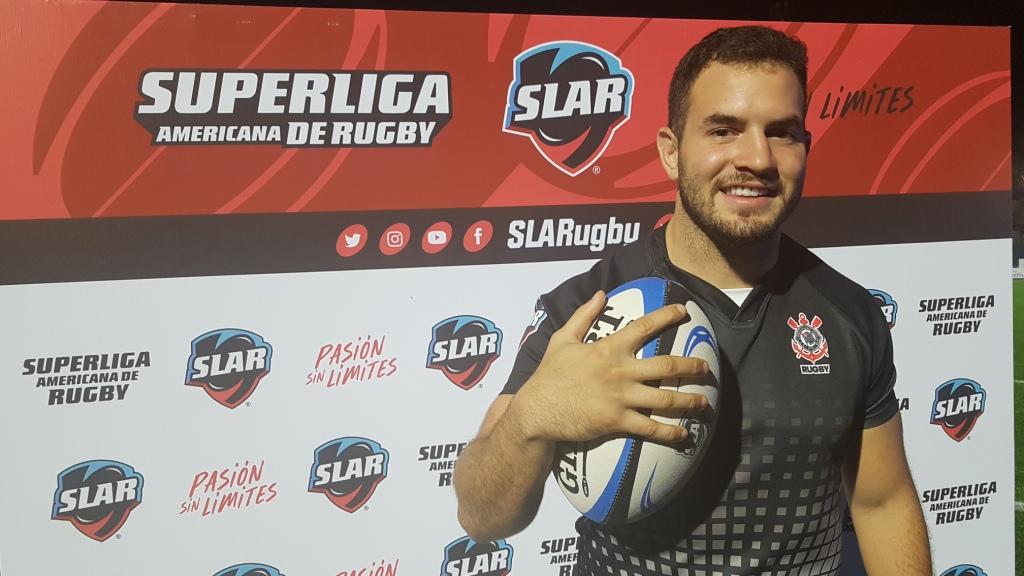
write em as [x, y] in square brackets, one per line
[621, 479]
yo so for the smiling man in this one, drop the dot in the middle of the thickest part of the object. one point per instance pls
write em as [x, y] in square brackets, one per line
[807, 410]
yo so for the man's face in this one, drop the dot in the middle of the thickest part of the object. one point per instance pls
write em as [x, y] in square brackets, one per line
[741, 157]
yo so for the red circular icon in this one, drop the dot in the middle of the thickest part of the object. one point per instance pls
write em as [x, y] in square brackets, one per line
[394, 239]
[662, 221]
[436, 237]
[351, 240]
[478, 236]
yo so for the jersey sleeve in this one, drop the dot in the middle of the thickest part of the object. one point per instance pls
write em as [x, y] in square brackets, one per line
[880, 399]
[554, 308]
[532, 346]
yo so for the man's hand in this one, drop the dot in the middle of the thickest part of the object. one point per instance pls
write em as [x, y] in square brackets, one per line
[578, 392]
[585, 391]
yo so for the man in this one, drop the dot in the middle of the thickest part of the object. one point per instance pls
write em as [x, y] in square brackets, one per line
[767, 498]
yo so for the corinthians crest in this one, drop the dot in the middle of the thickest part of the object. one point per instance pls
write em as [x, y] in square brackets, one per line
[808, 342]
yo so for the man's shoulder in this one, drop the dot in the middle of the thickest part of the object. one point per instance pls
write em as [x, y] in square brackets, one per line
[555, 307]
[846, 295]
[632, 261]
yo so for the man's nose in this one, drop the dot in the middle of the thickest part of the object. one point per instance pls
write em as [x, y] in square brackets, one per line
[754, 153]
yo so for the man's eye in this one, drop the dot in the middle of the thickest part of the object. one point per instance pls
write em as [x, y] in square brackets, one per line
[787, 135]
[721, 132]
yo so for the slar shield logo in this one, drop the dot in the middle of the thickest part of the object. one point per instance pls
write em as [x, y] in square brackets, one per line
[958, 405]
[467, 557]
[568, 98]
[249, 570]
[463, 349]
[97, 497]
[887, 304]
[964, 570]
[348, 470]
[228, 364]
[539, 314]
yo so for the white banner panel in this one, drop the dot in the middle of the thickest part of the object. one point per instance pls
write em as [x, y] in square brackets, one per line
[232, 485]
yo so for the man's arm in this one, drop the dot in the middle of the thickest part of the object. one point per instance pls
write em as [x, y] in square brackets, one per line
[499, 477]
[578, 392]
[883, 501]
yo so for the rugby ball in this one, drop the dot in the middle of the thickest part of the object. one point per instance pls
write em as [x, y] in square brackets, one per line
[620, 479]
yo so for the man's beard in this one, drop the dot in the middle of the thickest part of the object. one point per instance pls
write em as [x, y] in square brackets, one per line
[725, 233]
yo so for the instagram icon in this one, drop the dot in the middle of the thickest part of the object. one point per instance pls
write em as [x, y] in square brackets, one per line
[394, 239]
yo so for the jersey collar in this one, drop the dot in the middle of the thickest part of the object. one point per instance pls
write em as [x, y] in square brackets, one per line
[711, 298]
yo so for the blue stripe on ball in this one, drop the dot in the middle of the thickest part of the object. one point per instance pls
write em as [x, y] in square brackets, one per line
[603, 507]
[653, 290]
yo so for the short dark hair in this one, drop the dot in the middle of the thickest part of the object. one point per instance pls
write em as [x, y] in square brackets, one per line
[751, 45]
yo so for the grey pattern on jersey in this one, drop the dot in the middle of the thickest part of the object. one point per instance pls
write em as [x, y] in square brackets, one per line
[781, 516]
[767, 499]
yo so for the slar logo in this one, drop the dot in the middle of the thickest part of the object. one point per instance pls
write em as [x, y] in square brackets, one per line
[964, 570]
[228, 364]
[348, 470]
[250, 570]
[97, 497]
[568, 98]
[958, 405]
[539, 314]
[887, 304]
[467, 557]
[463, 349]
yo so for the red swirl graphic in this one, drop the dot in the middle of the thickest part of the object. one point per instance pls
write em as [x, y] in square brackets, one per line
[894, 110]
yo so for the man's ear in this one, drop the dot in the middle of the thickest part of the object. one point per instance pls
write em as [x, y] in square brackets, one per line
[807, 142]
[668, 152]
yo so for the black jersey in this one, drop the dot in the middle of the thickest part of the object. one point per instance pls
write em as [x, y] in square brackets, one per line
[806, 364]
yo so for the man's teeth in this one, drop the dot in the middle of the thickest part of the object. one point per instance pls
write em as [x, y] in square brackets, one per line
[750, 192]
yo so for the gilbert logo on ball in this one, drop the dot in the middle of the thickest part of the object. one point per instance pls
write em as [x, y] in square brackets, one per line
[97, 497]
[624, 479]
[463, 349]
[348, 471]
[568, 98]
[467, 557]
[228, 364]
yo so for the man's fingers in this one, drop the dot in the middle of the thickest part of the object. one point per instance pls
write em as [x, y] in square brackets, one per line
[639, 425]
[666, 366]
[581, 320]
[640, 331]
[664, 402]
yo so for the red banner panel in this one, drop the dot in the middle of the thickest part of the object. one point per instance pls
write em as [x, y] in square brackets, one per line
[163, 109]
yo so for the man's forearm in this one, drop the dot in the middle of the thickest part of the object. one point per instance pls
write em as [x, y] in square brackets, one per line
[499, 480]
[893, 537]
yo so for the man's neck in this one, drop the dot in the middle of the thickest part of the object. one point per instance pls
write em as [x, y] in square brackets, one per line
[690, 249]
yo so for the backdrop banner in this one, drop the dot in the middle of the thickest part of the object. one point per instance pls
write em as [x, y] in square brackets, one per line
[264, 268]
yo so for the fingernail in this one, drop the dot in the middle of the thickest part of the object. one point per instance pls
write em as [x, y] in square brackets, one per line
[681, 308]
